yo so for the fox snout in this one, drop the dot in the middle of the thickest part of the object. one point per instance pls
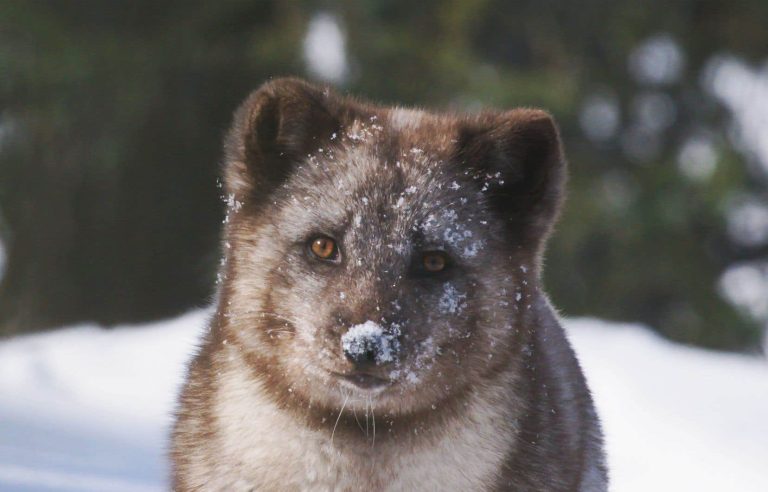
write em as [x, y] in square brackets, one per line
[370, 344]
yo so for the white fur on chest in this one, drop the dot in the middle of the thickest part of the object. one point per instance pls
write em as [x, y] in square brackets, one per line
[260, 447]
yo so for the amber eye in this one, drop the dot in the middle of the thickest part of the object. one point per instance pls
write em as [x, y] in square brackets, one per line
[323, 247]
[434, 261]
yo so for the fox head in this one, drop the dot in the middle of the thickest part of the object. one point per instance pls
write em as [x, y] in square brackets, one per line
[378, 255]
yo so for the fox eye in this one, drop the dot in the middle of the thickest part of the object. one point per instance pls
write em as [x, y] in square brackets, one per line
[434, 261]
[324, 248]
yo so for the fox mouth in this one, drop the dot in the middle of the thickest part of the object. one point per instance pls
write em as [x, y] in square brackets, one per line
[363, 380]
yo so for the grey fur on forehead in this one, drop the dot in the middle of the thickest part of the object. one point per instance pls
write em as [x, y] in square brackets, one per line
[411, 192]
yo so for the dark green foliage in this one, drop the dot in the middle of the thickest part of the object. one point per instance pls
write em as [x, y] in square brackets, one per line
[108, 199]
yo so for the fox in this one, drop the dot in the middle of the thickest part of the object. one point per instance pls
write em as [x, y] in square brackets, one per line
[380, 320]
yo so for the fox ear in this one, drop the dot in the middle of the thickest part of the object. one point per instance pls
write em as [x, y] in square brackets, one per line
[277, 126]
[517, 158]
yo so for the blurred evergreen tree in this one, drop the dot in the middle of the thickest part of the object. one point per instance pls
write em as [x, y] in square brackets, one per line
[108, 186]
[117, 111]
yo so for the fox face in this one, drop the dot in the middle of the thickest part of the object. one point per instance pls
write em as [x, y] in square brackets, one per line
[378, 255]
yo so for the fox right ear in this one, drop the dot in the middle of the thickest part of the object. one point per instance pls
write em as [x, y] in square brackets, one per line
[521, 147]
[277, 126]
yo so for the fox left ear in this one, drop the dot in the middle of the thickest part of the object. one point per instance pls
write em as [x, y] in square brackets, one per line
[517, 158]
[274, 129]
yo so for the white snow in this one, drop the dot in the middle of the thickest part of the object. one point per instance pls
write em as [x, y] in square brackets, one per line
[84, 409]
[370, 335]
[675, 418]
[451, 301]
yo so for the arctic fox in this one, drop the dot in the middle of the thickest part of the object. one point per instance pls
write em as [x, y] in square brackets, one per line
[380, 320]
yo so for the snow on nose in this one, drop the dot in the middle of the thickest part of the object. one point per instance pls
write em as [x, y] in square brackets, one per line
[368, 343]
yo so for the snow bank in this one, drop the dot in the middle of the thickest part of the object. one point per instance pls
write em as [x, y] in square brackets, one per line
[675, 417]
[84, 409]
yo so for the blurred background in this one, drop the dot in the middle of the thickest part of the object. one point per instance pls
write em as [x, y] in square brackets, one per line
[112, 116]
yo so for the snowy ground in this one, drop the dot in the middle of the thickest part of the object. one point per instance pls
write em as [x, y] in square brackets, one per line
[84, 409]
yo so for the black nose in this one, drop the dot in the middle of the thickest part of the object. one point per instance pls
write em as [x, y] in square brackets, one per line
[369, 343]
[362, 354]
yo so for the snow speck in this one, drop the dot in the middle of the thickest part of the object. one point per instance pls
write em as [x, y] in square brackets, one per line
[451, 301]
[233, 203]
[472, 249]
[370, 337]
[411, 377]
[455, 232]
